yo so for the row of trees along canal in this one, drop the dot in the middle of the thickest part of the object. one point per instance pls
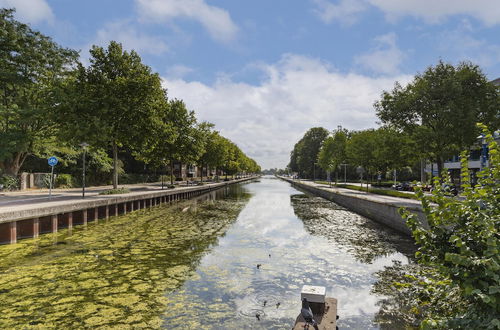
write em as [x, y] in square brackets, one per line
[51, 102]
[455, 283]
[432, 118]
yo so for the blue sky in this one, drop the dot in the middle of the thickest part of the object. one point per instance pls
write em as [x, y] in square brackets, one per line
[265, 71]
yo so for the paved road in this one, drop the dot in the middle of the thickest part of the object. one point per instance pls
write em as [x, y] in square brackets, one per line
[41, 196]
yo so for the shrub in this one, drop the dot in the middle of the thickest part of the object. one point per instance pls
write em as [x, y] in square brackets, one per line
[385, 192]
[462, 244]
[115, 191]
[382, 184]
[64, 181]
[9, 182]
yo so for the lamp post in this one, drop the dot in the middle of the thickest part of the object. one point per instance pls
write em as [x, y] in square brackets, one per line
[84, 147]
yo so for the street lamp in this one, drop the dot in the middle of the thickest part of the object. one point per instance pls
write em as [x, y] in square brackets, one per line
[84, 146]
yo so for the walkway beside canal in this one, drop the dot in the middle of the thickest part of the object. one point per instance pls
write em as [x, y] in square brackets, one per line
[380, 208]
[28, 215]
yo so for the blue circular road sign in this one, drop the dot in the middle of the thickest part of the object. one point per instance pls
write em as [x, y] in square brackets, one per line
[52, 161]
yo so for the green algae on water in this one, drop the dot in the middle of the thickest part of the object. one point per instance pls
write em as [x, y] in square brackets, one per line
[114, 274]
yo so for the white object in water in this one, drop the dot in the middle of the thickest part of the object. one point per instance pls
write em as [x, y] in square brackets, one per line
[316, 294]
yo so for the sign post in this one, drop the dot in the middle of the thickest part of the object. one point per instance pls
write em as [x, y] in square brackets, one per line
[52, 162]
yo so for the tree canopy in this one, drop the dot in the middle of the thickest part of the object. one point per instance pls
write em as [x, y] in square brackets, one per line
[333, 151]
[440, 109]
[115, 102]
[304, 156]
[32, 68]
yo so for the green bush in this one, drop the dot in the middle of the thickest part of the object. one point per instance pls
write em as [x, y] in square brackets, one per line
[132, 178]
[9, 182]
[393, 193]
[64, 181]
[115, 191]
[382, 184]
[462, 244]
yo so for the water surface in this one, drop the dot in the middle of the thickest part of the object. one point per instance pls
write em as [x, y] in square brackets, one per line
[192, 265]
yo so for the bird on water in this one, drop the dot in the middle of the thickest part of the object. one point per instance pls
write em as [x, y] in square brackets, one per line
[307, 314]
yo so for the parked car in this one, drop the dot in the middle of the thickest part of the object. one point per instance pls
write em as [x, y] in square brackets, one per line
[424, 187]
[448, 189]
[404, 186]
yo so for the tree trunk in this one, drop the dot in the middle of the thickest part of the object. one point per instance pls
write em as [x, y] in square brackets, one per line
[171, 172]
[440, 165]
[115, 166]
[202, 172]
[12, 166]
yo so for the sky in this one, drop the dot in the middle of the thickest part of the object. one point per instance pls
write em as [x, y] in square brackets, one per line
[265, 71]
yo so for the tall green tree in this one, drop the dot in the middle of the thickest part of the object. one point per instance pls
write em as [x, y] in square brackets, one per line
[361, 150]
[115, 102]
[333, 151]
[204, 134]
[216, 151]
[32, 67]
[394, 150]
[305, 153]
[178, 138]
[440, 108]
[325, 156]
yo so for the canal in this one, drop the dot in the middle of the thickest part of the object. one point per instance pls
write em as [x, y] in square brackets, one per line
[193, 265]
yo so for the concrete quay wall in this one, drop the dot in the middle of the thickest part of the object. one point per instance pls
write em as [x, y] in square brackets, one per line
[32, 220]
[384, 211]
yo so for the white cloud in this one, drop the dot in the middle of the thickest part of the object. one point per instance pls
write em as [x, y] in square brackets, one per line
[298, 93]
[30, 11]
[431, 11]
[346, 11]
[125, 33]
[217, 21]
[385, 58]
[461, 45]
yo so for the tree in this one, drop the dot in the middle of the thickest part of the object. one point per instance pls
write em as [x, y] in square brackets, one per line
[461, 244]
[115, 102]
[176, 138]
[394, 150]
[215, 151]
[204, 135]
[188, 146]
[440, 107]
[326, 154]
[305, 153]
[32, 67]
[333, 151]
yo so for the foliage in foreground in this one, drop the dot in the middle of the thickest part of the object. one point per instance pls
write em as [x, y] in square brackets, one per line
[461, 245]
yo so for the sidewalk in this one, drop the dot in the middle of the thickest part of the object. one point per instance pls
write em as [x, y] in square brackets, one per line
[38, 196]
[391, 200]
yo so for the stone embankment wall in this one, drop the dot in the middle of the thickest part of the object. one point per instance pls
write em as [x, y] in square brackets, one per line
[32, 220]
[375, 207]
